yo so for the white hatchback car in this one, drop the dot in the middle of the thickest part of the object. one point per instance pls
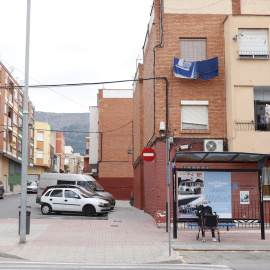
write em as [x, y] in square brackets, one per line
[72, 200]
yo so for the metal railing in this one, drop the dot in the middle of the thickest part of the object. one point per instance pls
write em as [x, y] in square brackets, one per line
[251, 126]
[243, 216]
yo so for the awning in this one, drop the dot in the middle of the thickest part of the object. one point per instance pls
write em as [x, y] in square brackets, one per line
[219, 157]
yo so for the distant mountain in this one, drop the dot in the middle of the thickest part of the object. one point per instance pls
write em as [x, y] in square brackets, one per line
[75, 127]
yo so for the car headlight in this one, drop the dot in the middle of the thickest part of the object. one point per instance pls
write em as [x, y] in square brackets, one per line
[102, 204]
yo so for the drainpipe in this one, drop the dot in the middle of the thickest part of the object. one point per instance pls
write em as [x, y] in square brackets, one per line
[154, 65]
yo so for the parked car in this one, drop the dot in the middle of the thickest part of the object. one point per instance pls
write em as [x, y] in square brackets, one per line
[87, 190]
[2, 190]
[32, 187]
[72, 200]
[52, 179]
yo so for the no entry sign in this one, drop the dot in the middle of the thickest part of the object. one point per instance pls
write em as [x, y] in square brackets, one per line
[148, 154]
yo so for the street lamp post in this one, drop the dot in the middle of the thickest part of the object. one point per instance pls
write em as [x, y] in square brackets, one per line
[25, 133]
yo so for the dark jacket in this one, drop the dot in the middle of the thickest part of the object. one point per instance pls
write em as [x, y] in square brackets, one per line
[204, 210]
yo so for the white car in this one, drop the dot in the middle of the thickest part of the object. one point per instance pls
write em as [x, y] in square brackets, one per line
[72, 200]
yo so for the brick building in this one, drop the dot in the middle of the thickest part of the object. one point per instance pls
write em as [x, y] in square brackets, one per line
[111, 125]
[194, 113]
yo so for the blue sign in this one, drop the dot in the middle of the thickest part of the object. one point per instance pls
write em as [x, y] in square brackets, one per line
[218, 192]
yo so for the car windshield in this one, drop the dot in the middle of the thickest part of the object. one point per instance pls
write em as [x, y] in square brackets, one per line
[95, 186]
[31, 184]
[88, 190]
[84, 194]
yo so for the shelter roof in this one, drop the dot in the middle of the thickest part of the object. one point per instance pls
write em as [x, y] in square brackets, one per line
[219, 157]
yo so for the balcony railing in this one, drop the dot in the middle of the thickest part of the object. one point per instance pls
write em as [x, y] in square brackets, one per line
[251, 126]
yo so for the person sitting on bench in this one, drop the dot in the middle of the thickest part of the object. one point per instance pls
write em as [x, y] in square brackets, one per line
[205, 210]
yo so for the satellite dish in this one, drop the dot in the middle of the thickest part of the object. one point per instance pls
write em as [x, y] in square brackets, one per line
[211, 146]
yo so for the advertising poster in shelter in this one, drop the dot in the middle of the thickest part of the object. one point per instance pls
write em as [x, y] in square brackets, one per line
[194, 187]
[218, 193]
[190, 193]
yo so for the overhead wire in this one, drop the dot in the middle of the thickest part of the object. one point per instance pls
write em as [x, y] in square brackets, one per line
[46, 87]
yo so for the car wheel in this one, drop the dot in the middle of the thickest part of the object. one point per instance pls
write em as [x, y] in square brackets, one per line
[46, 209]
[89, 210]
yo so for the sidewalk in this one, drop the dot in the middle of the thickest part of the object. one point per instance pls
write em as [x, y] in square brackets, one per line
[128, 236]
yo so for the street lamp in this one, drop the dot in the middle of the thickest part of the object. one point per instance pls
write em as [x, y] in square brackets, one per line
[25, 133]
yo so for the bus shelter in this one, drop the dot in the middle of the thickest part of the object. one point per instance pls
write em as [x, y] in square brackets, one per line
[208, 175]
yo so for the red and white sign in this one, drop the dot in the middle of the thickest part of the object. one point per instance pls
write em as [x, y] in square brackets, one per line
[148, 154]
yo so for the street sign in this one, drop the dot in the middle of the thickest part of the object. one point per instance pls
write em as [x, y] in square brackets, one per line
[148, 154]
[12, 144]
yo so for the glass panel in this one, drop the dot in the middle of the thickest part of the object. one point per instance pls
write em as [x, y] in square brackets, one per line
[189, 157]
[249, 158]
[218, 157]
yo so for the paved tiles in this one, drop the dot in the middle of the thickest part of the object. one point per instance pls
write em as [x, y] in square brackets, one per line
[128, 236]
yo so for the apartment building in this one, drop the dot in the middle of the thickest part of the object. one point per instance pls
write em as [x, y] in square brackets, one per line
[209, 61]
[86, 163]
[11, 134]
[49, 151]
[58, 142]
[111, 142]
[43, 151]
[74, 162]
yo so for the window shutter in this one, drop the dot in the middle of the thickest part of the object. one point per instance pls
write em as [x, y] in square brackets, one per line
[253, 43]
[194, 115]
[40, 137]
[193, 49]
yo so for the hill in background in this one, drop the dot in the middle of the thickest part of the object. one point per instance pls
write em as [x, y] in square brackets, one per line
[75, 127]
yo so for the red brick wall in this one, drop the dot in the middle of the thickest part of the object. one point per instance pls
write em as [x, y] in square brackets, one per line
[236, 7]
[120, 188]
[178, 26]
[138, 115]
[116, 145]
[138, 191]
[191, 26]
[60, 149]
[245, 181]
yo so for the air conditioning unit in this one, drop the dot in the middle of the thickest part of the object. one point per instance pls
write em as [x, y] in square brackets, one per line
[211, 145]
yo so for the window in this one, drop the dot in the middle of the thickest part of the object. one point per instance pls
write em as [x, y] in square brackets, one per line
[20, 145]
[194, 115]
[261, 98]
[5, 134]
[57, 193]
[253, 44]
[15, 94]
[20, 122]
[40, 137]
[5, 108]
[266, 182]
[39, 154]
[193, 49]
[21, 100]
[70, 194]
[15, 117]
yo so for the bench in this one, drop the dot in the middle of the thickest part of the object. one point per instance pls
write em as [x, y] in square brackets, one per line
[227, 225]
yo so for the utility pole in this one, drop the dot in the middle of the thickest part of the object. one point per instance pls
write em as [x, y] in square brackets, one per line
[25, 133]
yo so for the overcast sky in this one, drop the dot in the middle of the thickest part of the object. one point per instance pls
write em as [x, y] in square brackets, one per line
[73, 41]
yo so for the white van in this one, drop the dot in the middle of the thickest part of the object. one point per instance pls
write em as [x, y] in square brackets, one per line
[52, 179]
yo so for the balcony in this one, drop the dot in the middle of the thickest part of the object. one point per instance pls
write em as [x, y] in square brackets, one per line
[251, 126]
